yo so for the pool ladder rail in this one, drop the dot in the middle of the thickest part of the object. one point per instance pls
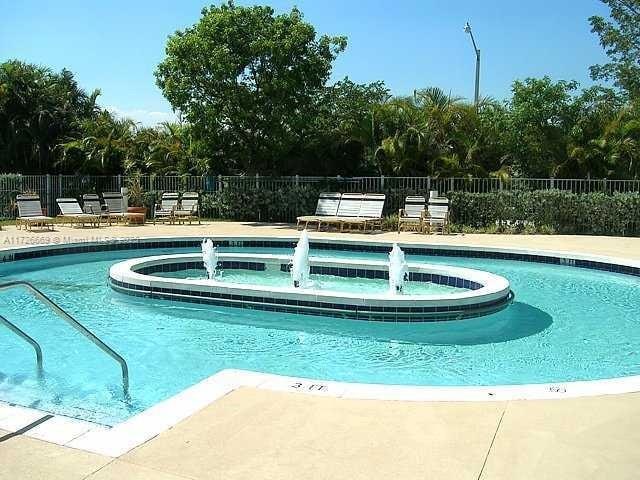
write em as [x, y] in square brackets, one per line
[70, 321]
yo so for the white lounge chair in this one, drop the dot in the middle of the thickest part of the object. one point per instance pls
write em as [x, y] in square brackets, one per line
[371, 209]
[166, 209]
[71, 212]
[437, 215]
[326, 209]
[115, 207]
[30, 213]
[412, 216]
[348, 210]
[361, 210]
[189, 208]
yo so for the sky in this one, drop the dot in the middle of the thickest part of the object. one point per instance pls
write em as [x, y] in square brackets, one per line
[115, 45]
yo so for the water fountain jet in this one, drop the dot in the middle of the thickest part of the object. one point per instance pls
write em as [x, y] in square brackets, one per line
[300, 269]
[398, 270]
[210, 259]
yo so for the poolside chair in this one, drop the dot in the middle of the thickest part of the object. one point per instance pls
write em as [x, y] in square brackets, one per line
[327, 208]
[371, 210]
[348, 209]
[115, 207]
[189, 208]
[30, 213]
[165, 210]
[411, 217]
[360, 210]
[437, 217]
[71, 212]
[91, 204]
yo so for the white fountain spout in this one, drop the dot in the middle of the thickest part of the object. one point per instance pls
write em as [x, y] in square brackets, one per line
[300, 263]
[210, 258]
[398, 270]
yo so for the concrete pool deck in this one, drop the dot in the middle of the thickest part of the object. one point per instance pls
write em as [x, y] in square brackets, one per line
[254, 434]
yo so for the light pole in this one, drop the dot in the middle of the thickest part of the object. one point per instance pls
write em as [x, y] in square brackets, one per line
[467, 29]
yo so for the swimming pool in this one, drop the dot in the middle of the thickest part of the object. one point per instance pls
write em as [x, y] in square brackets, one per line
[567, 324]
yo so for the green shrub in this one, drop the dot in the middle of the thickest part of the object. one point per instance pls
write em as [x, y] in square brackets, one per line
[547, 211]
[513, 212]
[390, 222]
[280, 205]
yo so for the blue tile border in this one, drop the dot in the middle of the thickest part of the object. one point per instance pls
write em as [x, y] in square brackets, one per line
[355, 312]
[181, 266]
[384, 275]
[15, 255]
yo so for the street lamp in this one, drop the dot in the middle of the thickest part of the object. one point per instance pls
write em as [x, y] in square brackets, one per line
[467, 29]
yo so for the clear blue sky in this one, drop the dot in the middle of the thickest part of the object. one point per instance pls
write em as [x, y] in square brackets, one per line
[115, 45]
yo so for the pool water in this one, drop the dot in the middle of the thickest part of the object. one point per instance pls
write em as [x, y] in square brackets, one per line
[566, 324]
[327, 283]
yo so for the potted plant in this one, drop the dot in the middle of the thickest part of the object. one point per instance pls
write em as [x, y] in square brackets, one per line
[135, 194]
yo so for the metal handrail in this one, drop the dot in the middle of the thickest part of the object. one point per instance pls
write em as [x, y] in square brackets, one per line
[77, 326]
[20, 333]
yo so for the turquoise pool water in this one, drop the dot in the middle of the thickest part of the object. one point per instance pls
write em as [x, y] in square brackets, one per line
[566, 324]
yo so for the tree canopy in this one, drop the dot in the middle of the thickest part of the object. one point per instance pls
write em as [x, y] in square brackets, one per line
[38, 108]
[620, 38]
[254, 95]
[248, 80]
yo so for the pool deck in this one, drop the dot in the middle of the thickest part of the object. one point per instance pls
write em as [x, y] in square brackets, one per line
[261, 434]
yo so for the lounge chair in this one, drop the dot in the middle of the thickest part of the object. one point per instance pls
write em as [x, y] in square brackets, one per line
[115, 207]
[326, 209]
[91, 204]
[30, 213]
[360, 210]
[71, 212]
[411, 217]
[189, 208]
[348, 209]
[437, 215]
[165, 210]
[371, 210]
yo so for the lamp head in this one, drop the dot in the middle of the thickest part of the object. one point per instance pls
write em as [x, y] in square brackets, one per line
[467, 28]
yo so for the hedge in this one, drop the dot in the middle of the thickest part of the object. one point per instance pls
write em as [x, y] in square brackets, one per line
[551, 211]
[539, 211]
[280, 205]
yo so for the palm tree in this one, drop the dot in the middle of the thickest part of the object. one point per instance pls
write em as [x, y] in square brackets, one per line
[625, 149]
[103, 147]
[38, 110]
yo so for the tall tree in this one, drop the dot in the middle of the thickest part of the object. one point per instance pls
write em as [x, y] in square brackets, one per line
[541, 115]
[620, 38]
[38, 109]
[247, 81]
[340, 141]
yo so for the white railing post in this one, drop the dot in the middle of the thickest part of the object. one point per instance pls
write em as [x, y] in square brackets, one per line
[48, 195]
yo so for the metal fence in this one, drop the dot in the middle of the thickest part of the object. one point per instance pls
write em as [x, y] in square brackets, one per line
[50, 187]
[425, 184]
